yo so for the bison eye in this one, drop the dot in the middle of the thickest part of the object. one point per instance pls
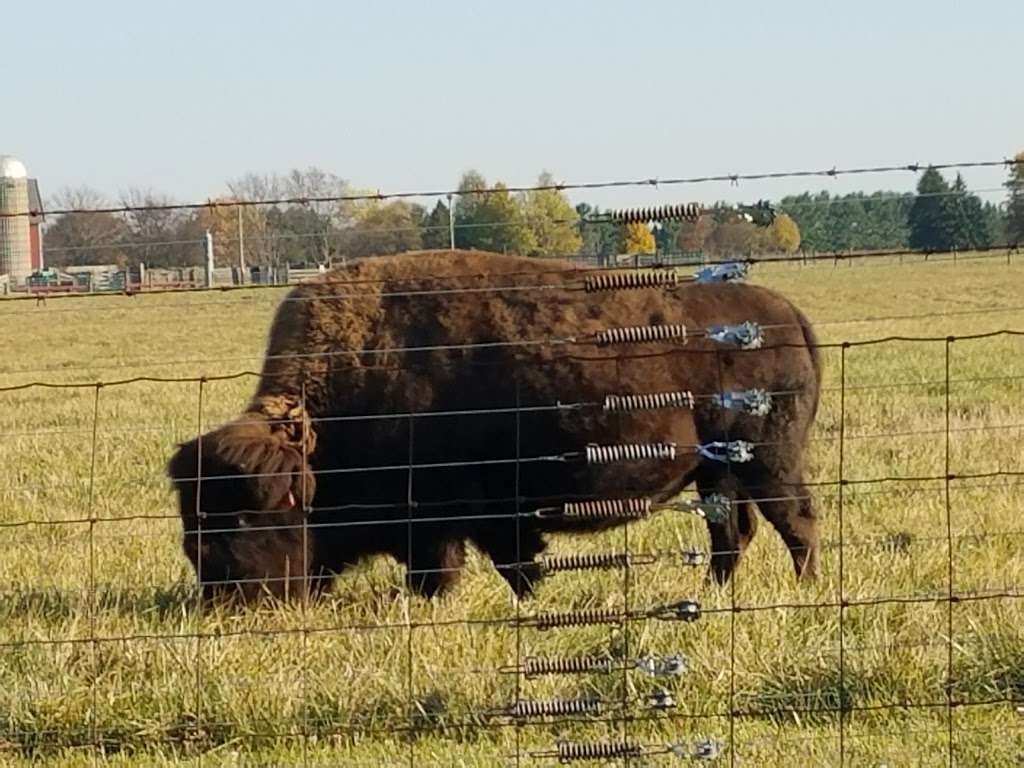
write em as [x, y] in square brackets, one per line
[243, 521]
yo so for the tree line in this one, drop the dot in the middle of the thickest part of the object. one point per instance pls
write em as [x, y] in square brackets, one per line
[940, 216]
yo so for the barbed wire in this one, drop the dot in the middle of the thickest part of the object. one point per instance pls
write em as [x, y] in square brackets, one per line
[731, 178]
[357, 228]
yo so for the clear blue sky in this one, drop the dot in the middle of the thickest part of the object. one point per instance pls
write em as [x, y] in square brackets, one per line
[396, 95]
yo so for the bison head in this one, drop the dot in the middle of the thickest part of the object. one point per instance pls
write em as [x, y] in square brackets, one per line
[243, 491]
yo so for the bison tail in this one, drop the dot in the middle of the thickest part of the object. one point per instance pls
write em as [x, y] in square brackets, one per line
[811, 339]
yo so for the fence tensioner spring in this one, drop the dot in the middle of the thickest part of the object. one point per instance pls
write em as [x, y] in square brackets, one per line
[668, 277]
[655, 666]
[684, 610]
[745, 335]
[573, 751]
[757, 402]
[714, 508]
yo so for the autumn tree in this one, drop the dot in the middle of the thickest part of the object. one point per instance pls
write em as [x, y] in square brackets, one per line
[784, 234]
[490, 219]
[384, 228]
[693, 235]
[239, 232]
[637, 238]
[552, 220]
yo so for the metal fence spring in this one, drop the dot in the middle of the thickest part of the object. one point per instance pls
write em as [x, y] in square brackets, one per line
[576, 618]
[536, 666]
[555, 708]
[641, 334]
[606, 509]
[615, 281]
[571, 751]
[602, 561]
[678, 212]
[648, 402]
[610, 454]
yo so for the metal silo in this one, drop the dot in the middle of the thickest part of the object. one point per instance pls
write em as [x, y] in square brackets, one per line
[15, 239]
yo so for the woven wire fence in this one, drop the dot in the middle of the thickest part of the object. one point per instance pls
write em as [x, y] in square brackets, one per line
[624, 655]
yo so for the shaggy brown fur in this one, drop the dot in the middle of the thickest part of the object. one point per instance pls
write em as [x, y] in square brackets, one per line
[356, 470]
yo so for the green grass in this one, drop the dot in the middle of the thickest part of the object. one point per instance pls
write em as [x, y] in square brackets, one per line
[100, 645]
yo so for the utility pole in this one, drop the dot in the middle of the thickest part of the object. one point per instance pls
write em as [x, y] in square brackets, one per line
[209, 259]
[241, 247]
[451, 223]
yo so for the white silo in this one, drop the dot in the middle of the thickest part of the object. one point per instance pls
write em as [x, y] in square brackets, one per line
[15, 238]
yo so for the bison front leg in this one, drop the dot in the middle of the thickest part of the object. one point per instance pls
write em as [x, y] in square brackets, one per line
[435, 565]
[514, 551]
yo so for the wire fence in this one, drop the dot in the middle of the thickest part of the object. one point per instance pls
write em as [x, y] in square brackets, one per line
[624, 654]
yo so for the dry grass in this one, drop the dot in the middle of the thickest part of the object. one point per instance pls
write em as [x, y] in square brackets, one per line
[100, 645]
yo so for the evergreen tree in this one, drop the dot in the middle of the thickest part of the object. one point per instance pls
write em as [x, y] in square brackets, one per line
[435, 227]
[1015, 202]
[969, 225]
[600, 239]
[929, 225]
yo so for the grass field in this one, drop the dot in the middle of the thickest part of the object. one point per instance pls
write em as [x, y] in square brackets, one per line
[104, 661]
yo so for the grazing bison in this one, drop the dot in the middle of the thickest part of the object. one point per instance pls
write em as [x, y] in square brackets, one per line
[398, 413]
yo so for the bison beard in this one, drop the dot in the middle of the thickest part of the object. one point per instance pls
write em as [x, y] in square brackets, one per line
[342, 454]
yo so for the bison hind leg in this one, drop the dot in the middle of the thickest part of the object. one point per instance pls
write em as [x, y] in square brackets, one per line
[787, 504]
[730, 537]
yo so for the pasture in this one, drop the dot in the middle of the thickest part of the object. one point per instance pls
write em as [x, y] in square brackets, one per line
[104, 659]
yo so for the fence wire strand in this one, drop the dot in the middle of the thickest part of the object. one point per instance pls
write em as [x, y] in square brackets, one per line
[623, 709]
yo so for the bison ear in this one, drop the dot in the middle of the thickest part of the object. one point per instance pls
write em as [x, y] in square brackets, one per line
[281, 479]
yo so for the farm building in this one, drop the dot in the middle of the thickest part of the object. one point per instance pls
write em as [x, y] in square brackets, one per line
[21, 244]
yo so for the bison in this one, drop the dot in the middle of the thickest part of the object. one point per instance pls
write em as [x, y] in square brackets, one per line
[410, 404]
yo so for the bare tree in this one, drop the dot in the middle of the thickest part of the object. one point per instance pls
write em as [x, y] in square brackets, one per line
[328, 216]
[156, 233]
[86, 237]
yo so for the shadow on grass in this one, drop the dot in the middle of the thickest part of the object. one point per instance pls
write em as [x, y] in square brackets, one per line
[161, 602]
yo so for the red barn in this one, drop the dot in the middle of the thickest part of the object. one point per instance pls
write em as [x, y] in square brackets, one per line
[35, 233]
